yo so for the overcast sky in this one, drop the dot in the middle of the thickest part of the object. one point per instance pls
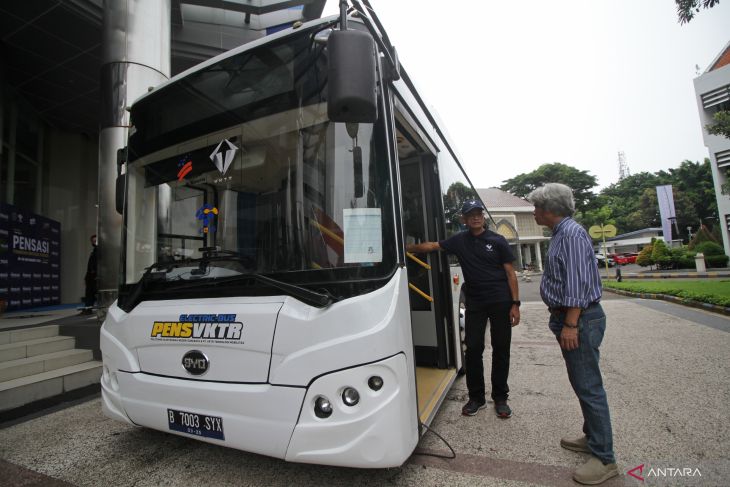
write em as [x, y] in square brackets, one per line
[519, 84]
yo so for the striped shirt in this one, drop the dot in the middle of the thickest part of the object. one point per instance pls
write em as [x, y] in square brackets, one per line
[571, 278]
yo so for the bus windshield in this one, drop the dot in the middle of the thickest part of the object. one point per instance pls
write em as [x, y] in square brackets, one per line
[235, 169]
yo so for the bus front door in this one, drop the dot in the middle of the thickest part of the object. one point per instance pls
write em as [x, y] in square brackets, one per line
[428, 279]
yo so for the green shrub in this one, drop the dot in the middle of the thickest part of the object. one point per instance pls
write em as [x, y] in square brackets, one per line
[716, 260]
[687, 262]
[704, 290]
[660, 255]
[709, 248]
[702, 235]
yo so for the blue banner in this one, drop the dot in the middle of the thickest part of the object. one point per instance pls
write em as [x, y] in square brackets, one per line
[30, 259]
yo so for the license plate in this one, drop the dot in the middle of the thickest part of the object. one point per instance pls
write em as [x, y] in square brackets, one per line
[195, 424]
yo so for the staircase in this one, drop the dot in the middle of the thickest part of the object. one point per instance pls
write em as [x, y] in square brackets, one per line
[39, 364]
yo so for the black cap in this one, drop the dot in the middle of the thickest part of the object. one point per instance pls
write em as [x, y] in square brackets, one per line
[470, 205]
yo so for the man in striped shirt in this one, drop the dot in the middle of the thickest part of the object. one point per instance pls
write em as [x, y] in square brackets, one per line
[571, 288]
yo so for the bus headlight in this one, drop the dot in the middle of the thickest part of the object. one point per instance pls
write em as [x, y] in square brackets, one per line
[350, 396]
[322, 407]
[375, 383]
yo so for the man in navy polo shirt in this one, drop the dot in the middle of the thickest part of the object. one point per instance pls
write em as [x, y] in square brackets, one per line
[492, 294]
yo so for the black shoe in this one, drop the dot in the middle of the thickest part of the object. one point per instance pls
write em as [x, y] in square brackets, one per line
[502, 409]
[471, 407]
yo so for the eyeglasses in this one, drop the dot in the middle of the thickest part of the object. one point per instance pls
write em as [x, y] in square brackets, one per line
[474, 216]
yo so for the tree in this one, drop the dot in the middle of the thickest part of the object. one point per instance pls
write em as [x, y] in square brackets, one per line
[686, 9]
[623, 198]
[579, 181]
[721, 126]
[694, 180]
[647, 213]
[599, 216]
[633, 203]
[455, 196]
[644, 258]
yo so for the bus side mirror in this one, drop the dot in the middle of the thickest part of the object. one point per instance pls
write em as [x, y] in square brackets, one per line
[120, 194]
[351, 83]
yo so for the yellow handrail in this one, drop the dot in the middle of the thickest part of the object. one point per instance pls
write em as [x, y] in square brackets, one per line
[327, 231]
[424, 295]
[418, 261]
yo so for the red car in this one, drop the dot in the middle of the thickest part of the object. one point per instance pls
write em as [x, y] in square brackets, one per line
[625, 258]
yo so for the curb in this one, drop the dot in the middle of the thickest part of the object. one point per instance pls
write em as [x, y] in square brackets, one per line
[673, 275]
[690, 275]
[714, 308]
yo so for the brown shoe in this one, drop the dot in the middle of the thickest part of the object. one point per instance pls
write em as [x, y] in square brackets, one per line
[577, 444]
[594, 472]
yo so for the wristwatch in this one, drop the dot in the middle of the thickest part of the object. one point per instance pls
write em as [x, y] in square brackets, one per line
[517, 303]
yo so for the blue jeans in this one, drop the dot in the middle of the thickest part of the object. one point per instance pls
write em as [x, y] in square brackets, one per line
[585, 377]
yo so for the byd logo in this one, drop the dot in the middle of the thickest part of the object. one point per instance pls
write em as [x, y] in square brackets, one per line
[195, 362]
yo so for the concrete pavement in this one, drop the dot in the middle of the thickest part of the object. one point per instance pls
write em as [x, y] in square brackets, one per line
[666, 374]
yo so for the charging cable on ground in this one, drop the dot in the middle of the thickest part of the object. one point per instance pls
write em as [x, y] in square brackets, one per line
[429, 454]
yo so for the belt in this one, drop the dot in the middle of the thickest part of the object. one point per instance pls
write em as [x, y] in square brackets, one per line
[564, 309]
[558, 309]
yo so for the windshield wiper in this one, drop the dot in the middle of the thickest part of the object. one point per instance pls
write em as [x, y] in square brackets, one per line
[132, 299]
[314, 298]
[128, 303]
[308, 296]
[210, 254]
[216, 254]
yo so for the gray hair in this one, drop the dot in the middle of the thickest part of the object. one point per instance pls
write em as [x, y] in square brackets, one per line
[554, 197]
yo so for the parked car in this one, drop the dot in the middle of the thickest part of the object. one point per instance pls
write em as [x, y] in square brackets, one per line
[626, 258]
[601, 260]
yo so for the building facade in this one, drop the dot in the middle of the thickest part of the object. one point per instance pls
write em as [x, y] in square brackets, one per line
[630, 242]
[68, 71]
[712, 89]
[513, 219]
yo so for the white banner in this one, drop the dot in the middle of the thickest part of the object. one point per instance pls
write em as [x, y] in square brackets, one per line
[666, 210]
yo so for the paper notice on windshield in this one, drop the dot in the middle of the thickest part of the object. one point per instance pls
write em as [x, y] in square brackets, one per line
[363, 235]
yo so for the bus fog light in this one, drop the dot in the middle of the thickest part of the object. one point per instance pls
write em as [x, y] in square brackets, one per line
[322, 407]
[375, 383]
[350, 396]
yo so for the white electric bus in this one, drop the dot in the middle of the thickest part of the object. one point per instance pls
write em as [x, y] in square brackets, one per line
[266, 302]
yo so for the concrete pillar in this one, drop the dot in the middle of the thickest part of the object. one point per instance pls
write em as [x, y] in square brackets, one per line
[2, 126]
[700, 263]
[528, 255]
[135, 58]
[538, 254]
[38, 205]
[12, 132]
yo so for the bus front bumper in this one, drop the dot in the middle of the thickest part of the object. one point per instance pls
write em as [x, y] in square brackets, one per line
[380, 431]
[258, 418]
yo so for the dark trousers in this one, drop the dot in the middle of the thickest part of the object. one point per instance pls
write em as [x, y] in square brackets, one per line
[90, 295]
[501, 333]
